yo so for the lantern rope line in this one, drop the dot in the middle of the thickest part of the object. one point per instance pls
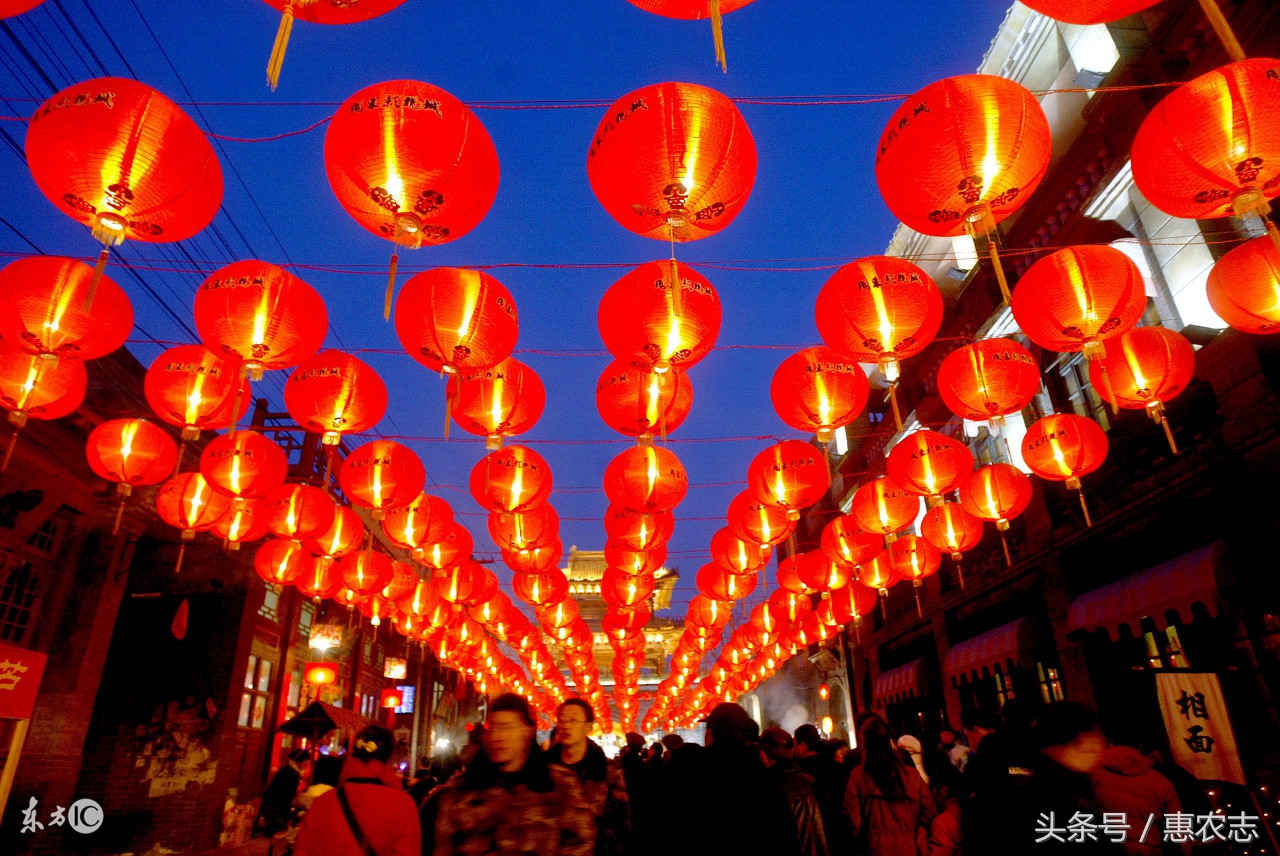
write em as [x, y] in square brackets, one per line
[1223, 29]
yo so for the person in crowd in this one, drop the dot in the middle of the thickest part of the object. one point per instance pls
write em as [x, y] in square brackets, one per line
[807, 756]
[998, 770]
[367, 811]
[603, 785]
[1125, 781]
[1069, 747]
[797, 790]
[671, 742]
[956, 752]
[324, 778]
[818, 758]
[945, 833]
[642, 793]
[511, 800]
[888, 804]
[912, 752]
[277, 799]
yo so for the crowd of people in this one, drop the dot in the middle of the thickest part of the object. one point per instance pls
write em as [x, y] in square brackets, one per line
[986, 788]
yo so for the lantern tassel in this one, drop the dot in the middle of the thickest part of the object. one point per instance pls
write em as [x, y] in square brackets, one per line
[235, 410]
[281, 44]
[919, 607]
[677, 299]
[884, 614]
[1168, 432]
[1008, 557]
[1220, 26]
[994, 252]
[448, 410]
[857, 629]
[1084, 506]
[182, 450]
[8, 450]
[328, 466]
[893, 402]
[717, 33]
[391, 287]
[662, 412]
[960, 574]
[1106, 385]
[97, 278]
[182, 552]
[115, 527]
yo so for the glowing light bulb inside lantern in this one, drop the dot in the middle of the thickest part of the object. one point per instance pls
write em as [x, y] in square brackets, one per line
[765, 529]
[194, 504]
[651, 410]
[824, 404]
[260, 318]
[377, 492]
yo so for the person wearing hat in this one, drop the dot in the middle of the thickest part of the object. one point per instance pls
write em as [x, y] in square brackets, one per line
[368, 814]
[796, 789]
[512, 799]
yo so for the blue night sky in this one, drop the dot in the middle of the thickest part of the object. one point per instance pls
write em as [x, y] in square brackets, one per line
[814, 205]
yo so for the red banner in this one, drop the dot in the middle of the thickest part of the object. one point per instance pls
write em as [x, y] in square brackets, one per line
[20, 673]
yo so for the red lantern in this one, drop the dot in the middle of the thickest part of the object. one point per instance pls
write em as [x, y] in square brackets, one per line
[881, 507]
[696, 10]
[621, 589]
[496, 402]
[963, 154]
[539, 589]
[790, 474]
[788, 575]
[819, 572]
[1063, 447]
[536, 560]
[245, 464]
[638, 530]
[914, 558]
[325, 12]
[130, 452]
[281, 562]
[879, 309]
[1211, 148]
[241, 523]
[1150, 366]
[426, 520]
[618, 555]
[635, 400]
[1075, 298]
[404, 579]
[366, 571]
[672, 161]
[929, 464]
[736, 555]
[450, 319]
[256, 313]
[382, 474]
[758, 523]
[297, 511]
[717, 583]
[320, 673]
[124, 160]
[191, 388]
[988, 380]
[620, 624]
[794, 608]
[189, 503]
[10, 8]
[1244, 287]
[33, 387]
[410, 163]
[643, 318]
[1089, 11]
[322, 581]
[43, 309]
[997, 492]
[453, 548]
[819, 390]
[850, 603]
[878, 574]
[646, 478]
[707, 613]
[460, 583]
[517, 531]
[345, 534]
[560, 614]
[514, 478]
[949, 527]
[333, 394]
[843, 541]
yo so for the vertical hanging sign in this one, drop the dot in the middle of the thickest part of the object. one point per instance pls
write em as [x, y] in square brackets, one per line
[20, 673]
[1200, 733]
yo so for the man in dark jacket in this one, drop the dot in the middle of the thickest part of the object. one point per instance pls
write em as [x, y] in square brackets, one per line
[796, 789]
[603, 786]
[277, 799]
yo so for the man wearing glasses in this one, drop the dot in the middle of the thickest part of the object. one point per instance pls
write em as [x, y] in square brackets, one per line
[603, 786]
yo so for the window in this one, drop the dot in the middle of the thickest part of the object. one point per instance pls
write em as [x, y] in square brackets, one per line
[1050, 684]
[45, 539]
[306, 615]
[270, 608]
[253, 702]
[17, 594]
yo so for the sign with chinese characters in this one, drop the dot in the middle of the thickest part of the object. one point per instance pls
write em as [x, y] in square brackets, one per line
[395, 668]
[20, 673]
[1200, 733]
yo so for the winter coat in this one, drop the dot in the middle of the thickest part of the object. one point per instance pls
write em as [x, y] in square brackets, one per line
[944, 831]
[720, 802]
[798, 792]
[538, 810]
[889, 826]
[1125, 782]
[277, 799]
[1053, 791]
[387, 816]
[605, 791]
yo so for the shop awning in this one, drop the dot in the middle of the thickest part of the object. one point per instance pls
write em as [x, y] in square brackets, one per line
[899, 684]
[1169, 587]
[998, 650]
[319, 718]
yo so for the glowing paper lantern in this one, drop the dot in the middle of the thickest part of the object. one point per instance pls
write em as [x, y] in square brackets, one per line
[620, 589]
[914, 558]
[929, 464]
[1244, 287]
[952, 529]
[638, 530]
[524, 530]
[821, 573]
[791, 474]
[242, 522]
[366, 571]
[819, 390]
[333, 394]
[187, 502]
[344, 534]
[646, 478]
[844, 541]
[1089, 11]
[534, 560]
[999, 493]
[320, 673]
[514, 478]
[282, 562]
[988, 380]
[1150, 366]
[43, 309]
[758, 523]
[635, 400]
[736, 555]
[452, 549]
[850, 603]
[323, 12]
[36, 388]
[10, 8]
[881, 507]
[297, 511]
[410, 163]
[717, 583]
[320, 582]
[426, 520]
[672, 161]
[1063, 447]
[496, 402]
[380, 475]
[538, 589]
[642, 317]
[451, 319]
[629, 561]
[130, 452]
[694, 10]
[245, 465]
[189, 387]
[255, 313]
